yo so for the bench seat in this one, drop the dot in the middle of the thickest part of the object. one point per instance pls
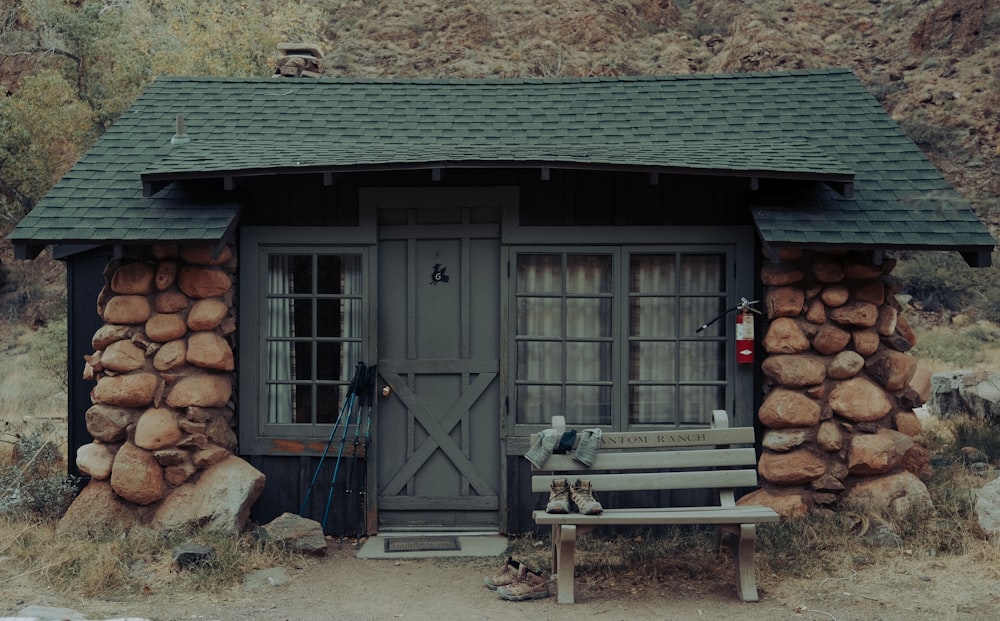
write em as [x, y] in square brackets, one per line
[661, 461]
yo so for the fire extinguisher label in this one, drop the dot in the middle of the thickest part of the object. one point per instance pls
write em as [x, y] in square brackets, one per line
[744, 329]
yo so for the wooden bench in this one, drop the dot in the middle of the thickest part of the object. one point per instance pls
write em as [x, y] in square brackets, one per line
[661, 460]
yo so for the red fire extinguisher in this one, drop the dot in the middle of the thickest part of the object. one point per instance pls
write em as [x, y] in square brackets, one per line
[744, 335]
[744, 328]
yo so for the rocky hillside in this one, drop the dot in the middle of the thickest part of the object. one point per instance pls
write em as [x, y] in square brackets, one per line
[934, 65]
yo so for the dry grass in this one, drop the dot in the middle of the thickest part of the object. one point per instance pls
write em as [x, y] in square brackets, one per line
[120, 564]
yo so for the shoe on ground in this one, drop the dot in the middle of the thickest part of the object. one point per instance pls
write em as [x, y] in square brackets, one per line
[506, 577]
[558, 497]
[529, 585]
[582, 495]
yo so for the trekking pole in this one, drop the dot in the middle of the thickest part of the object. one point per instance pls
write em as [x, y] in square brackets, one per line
[349, 481]
[358, 378]
[362, 495]
[344, 408]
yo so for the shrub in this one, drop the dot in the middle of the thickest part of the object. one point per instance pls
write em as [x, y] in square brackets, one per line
[36, 483]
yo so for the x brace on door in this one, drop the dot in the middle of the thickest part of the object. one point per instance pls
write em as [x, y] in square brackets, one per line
[438, 430]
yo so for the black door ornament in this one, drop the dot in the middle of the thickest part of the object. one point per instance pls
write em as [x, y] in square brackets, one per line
[438, 275]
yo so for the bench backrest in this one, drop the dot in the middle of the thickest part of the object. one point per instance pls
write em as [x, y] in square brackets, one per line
[664, 460]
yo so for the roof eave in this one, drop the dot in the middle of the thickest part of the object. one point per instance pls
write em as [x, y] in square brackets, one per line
[153, 182]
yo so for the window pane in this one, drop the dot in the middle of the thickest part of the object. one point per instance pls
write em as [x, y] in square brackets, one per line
[302, 273]
[335, 360]
[539, 317]
[703, 360]
[338, 317]
[650, 405]
[588, 362]
[588, 405]
[303, 404]
[652, 273]
[280, 400]
[329, 400]
[588, 318]
[703, 273]
[539, 361]
[697, 403]
[338, 274]
[539, 273]
[538, 404]
[588, 274]
[303, 361]
[653, 361]
[653, 317]
[302, 316]
[696, 312]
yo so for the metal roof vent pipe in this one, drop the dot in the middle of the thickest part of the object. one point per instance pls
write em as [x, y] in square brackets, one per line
[181, 137]
[299, 60]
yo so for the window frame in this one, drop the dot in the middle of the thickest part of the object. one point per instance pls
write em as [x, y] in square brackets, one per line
[257, 434]
[735, 243]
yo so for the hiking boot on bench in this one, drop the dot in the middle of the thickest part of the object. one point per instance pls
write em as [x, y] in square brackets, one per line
[583, 497]
[558, 497]
[506, 577]
[529, 585]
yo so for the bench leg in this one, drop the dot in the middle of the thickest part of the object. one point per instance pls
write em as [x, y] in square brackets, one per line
[563, 560]
[743, 551]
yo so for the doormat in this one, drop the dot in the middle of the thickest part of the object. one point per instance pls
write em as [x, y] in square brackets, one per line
[421, 544]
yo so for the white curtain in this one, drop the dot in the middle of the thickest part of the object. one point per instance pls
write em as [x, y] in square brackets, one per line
[280, 396]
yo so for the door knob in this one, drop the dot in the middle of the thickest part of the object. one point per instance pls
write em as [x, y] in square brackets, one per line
[386, 391]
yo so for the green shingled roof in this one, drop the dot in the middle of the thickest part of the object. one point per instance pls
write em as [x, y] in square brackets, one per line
[817, 125]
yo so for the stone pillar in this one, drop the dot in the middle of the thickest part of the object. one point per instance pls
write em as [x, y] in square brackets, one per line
[838, 407]
[163, 408]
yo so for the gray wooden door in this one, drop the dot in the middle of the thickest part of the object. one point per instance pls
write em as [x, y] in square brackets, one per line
[438, 430]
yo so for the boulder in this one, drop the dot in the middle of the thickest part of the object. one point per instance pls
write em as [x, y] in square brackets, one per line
[296, 533]
[109, 423]
[966, 392]
[171, 301]
[97, 510]
[204, 390]
[876, 453]
[795, 370]
[209, 350]
[835, 296]
[136, 476]
[166, 275]
[203, 282]
[784, 440]
[784, 302]
[207, 314]
[165, 327]
[784, 336]
[127, 310]
[788, 505]
[133, 279]
[845, 365]
[171, 355]
[793, 468]
[123, 356]
[787, 408]
[895, 493]
[156, 429]
[988, 507]
[780, 274]
[218, 500]
[131, 390]
[830, 339]
[860, 400]
[95, 460]
[860, 314]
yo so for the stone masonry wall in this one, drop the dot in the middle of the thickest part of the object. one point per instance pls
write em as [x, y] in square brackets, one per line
[838, 413]
[162, 412]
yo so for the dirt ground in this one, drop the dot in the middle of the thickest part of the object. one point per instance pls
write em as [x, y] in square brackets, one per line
[342, 586]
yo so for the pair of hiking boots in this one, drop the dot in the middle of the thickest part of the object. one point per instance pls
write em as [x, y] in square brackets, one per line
[516, 582]
[580, 494]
